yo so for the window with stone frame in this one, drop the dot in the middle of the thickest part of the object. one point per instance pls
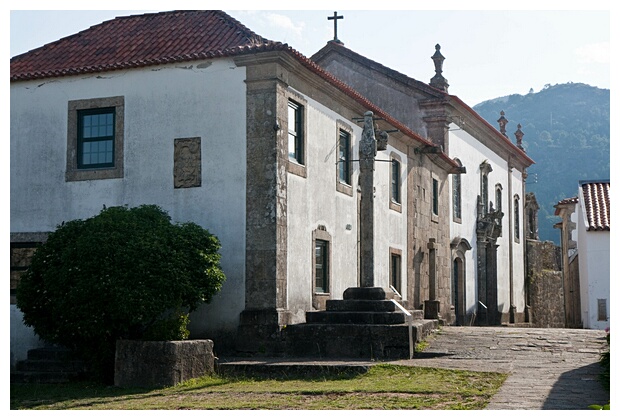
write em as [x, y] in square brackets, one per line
[95, 139]
[321, 266]
[485, 169]
[517, 224]
[295, 132]
[435, 204]
[396, 269]
[498, 197]
[344, 157]
[395, 183]
[456, 195]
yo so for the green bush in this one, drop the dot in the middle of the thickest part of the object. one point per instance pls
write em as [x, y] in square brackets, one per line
[126, 273]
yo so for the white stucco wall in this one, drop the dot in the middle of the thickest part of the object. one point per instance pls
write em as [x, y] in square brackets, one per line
[314, 201]
[205, 100]
[471, 153]
[594, 272]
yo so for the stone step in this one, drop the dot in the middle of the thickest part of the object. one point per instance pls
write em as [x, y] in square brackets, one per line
[289, 367]
[356, 341]
[49, 365]
[360, 305]
[45, 377]
[364, 318]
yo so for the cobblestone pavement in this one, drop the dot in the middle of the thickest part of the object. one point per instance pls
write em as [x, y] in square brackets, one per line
[550, 368]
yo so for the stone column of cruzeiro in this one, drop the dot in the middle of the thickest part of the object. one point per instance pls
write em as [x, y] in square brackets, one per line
[367, 153]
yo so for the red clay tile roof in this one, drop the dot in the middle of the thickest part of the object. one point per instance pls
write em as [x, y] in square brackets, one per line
[139, 40]
[596, 204]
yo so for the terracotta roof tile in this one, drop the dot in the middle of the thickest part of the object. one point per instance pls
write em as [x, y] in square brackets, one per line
[139, 40]
[596, 204]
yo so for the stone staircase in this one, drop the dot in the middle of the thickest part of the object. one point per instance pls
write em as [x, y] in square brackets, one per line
[49, 365]
[365, 324]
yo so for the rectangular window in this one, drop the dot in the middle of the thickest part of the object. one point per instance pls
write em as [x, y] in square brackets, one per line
[395, 272]
[395, 181]
[456, 197]
[321, 265]
[95, 138]
[435, 197]
[516, 223]
[344, 157]
[295, 133]
[602, 309]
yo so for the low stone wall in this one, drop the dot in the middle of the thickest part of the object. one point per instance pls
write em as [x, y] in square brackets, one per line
[148, 364]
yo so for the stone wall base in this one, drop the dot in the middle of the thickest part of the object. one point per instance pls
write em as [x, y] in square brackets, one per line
[147, 364]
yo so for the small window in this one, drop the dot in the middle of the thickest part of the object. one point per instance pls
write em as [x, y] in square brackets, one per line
[602, 310]
[321, 266]
[395, 195]
[95, 138]
[456, 197]
[435, 197]
[395, 272]
[498, 197]
[344, 157]
[295, 133]
[485, 194]
[517, 215]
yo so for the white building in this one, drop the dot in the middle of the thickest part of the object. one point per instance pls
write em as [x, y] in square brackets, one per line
[593, 231]
[242, 135]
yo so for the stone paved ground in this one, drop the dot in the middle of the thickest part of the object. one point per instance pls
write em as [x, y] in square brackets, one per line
[550, 368]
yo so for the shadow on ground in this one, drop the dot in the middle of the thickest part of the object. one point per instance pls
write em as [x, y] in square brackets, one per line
[565, 395]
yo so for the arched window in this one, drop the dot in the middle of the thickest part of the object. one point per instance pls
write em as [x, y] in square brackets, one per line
[498, 197]
[485, 169]
[517, 213]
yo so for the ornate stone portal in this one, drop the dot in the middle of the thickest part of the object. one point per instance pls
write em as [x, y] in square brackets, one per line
[488, 229]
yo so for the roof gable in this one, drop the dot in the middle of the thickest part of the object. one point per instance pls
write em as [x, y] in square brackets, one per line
[138, 40]
[595, 204]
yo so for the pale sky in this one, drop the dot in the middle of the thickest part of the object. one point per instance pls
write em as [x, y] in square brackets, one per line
[489, 52]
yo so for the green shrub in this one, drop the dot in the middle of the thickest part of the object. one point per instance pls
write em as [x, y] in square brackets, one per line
[126, 273]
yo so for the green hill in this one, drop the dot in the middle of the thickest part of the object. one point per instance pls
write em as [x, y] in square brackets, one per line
[566, 130]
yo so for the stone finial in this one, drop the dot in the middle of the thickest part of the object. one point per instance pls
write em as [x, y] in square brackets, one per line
[438, 81]
[519, 136]
[502, 123]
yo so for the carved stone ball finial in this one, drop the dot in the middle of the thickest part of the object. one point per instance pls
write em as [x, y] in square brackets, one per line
[502, 123]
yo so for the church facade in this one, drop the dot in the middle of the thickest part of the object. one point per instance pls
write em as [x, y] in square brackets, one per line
[242, 135]
[486, 284]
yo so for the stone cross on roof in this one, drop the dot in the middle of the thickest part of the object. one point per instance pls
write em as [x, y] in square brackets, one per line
[335, 19]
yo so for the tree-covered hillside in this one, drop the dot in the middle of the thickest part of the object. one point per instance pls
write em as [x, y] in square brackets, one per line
[566, 129]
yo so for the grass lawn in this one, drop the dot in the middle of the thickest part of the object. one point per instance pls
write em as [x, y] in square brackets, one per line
[387, 387]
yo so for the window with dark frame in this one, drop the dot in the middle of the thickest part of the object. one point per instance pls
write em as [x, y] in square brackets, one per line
[95, 142]
[456, 196]
[395, 272]
[435, 197]
[485, 194]
[344, 157]
[498, 197]
[395, 181]
[517, 236]
[295, 132]
[321, 265]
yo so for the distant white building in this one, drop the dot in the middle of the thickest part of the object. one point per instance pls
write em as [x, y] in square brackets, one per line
[593, 247]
